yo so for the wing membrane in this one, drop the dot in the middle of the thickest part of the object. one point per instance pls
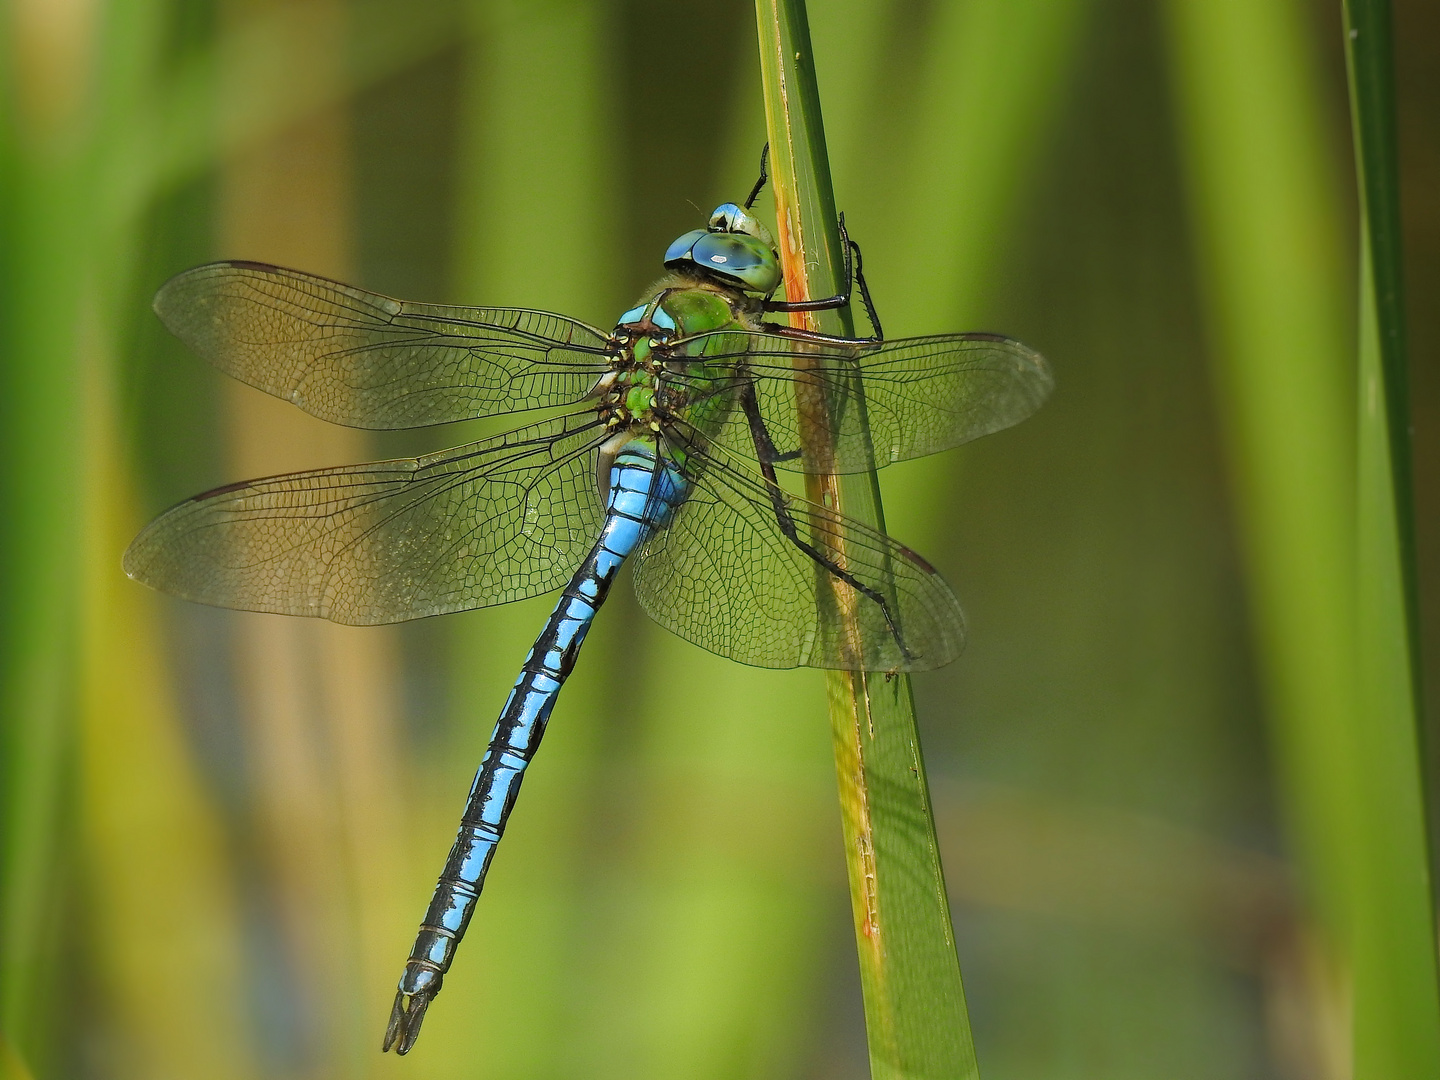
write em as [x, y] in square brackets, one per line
[482, 524]
[725, 576]
[364, 360]
[920, 395]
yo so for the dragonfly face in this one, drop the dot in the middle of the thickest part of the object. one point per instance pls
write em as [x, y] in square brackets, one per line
[733, 248]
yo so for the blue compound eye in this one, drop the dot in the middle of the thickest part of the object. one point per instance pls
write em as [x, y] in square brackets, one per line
[742, 258]
[737, 257]
[681, 247]
[724, 252]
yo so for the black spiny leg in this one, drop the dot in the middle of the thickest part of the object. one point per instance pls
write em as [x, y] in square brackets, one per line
[854, 275]
[764, 175]
[766, 454]
[851, 245]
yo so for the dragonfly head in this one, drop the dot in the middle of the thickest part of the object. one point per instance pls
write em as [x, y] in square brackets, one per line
[734, 247]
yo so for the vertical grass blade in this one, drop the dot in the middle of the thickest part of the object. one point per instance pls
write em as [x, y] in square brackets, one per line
[158, 903]
[934, 187]
[1337, 659]
[315, 700]
[12, 1067]
[146, 927]
[1266, 209]
[160, 908]
[915, 1014]
[1393, 947]
[991, 85]
[42, 230]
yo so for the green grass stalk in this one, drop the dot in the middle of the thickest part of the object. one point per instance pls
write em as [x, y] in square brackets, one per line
[42, 231]
[1266, 208]
[915, 1014]
[1392, 943]
[936, 196]
[158, 903]
[106, 809]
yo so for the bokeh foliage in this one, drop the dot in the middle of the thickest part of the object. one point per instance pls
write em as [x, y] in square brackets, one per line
[219, 830]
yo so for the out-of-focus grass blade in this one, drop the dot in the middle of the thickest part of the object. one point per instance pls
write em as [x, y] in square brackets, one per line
[155, 939]
[314, 702]
[42, 231]
[12, 1067]
[161, 904]
[711, 943]
[915, 1016]
[255, 80]
[1341, 702]
[1266, 205]
[931, 183]
[1393, 947]
[1265, 200]
[987, 93]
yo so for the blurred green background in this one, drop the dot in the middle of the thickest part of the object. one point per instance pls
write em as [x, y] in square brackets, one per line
[221, 829]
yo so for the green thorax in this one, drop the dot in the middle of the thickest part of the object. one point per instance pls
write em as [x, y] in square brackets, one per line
[659, 384]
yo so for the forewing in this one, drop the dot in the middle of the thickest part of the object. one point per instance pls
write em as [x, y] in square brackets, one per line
[364, 360]
[488, 523]
[916, 396]
[725, 576]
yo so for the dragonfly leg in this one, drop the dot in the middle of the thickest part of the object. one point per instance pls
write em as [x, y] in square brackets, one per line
[854, 275]
[767, 455]
[764, 176]
[864, 288]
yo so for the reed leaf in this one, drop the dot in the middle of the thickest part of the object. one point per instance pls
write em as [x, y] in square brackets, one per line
[915, 1015]
[1267, 211]
[42, 170]
[1392, 932]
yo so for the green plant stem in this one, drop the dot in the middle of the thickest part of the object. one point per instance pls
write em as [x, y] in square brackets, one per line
[915, 1014]
[1266, 210]
[1392, 931]
[43, 229]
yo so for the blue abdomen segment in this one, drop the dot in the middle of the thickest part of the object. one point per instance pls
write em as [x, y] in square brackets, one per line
[645, 491]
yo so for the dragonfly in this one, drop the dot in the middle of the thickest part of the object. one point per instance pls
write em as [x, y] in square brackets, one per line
[660, 441]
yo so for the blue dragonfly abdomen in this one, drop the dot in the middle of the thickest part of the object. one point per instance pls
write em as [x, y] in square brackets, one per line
[645, 490]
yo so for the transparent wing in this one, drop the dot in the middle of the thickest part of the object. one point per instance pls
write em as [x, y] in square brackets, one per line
[488, 523]
[725, 576]
[920, 395]
[364, 360]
